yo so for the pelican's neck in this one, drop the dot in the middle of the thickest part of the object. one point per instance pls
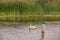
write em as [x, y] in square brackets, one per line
[30, 24]
[43, 25]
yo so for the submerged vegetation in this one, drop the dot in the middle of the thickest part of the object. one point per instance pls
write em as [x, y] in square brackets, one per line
[40, 7]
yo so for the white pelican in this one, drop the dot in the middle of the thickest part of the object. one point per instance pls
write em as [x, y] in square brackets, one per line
[32, 28]
[43, 31]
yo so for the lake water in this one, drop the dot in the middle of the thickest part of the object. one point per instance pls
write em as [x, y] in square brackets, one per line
[20, 31]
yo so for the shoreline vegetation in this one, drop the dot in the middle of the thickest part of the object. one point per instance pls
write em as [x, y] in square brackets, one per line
[30, 18]
[39, 11]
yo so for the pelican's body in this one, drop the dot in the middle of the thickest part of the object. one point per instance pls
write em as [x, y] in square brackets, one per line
[32, 27]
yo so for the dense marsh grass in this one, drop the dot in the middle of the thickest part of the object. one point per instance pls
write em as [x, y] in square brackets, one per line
[40, 7]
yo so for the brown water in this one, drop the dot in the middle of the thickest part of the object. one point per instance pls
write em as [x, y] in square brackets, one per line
[18, 31]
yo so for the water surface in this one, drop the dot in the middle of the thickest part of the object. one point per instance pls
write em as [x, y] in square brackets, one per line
[18, 31]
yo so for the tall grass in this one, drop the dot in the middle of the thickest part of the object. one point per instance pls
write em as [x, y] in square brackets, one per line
[40, 7]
